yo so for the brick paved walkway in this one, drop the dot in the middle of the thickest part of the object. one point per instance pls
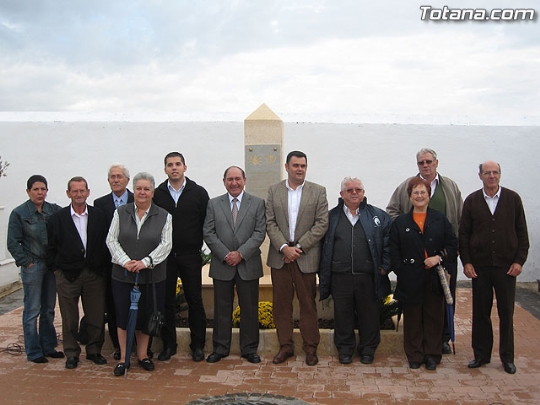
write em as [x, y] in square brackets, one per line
[387, 381]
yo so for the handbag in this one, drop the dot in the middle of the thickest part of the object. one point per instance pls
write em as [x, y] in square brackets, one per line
[156, 320]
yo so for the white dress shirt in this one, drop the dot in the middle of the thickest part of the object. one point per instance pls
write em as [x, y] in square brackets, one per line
[81, 223]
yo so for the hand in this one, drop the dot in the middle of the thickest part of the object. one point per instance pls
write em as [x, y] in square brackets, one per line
[290, 253]
[382, 271]
[469, 271]
[515, 270]
[233, 258]
[135, 266]
[432, 261]
[30, 265]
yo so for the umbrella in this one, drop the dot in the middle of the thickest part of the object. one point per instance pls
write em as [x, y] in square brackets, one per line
[449, 303]
[132, 320]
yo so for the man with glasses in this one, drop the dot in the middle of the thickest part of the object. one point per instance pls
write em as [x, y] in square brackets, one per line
[445, 198]
[355, 261]
[493, 244]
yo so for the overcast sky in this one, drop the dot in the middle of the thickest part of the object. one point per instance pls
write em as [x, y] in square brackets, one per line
[297, 56]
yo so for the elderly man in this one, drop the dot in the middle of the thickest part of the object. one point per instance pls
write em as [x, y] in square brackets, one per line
[118, 178]
[78, 255]
[493, 244]
[27, 243]
[234, 229]
[296, 221]
[445, 198]
[355, 262]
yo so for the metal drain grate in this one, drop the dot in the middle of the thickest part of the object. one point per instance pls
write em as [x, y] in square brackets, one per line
[248, 399]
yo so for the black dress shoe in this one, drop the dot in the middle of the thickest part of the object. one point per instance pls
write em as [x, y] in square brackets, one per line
[252, 358]
[116, 355]
[96, 358]
[430, 363]
[477, 363]
[414, 364]
[510, 368]
[345, 358]
[146, 364]
[166, 354]
[214, 357]
[72, 362]
[197, 354]
[41, 359]
[282, 356]
[55, 355]
[366, 359]
[120, 369]
[446, 348]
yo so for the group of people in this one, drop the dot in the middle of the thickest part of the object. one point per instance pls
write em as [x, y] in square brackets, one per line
[154, 235]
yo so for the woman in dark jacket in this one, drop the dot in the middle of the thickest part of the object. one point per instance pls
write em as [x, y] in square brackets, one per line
[419, 241]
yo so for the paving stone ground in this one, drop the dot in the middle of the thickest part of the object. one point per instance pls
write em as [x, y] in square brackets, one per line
[387, 381]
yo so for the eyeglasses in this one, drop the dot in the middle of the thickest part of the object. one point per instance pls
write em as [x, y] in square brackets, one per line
[491, 172]
[117, 177]
[416, 193]
[423, 162]
[352, 190]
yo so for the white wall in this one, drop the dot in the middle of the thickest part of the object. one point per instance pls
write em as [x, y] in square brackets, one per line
[382, 155]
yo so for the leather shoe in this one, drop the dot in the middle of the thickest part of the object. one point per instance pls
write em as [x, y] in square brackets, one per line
[96, 358]
[366, 359]
[311, 359]
[55, 355]
[197, 354]
[252, 358]
[510, 368]
[430, 363]
[282, 356]
[446, 348]
[214, 357]
[345, 358]
[414, 364]
[41, 359]
[120, 369]
[72, 362]
[166, 354]
[150, 353]
[146, 364]
[477, 363]
[116, 355]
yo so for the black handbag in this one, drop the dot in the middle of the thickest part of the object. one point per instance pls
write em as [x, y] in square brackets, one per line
[156, 320]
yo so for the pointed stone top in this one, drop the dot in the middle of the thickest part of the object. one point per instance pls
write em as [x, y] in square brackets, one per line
[263, 113]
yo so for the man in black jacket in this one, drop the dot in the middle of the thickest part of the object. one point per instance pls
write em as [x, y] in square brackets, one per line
[78, 255]
[186, 201]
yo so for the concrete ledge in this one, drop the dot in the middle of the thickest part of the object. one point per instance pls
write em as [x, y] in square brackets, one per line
[391, 342]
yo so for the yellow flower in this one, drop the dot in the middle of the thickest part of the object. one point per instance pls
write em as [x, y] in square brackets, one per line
[266, 318]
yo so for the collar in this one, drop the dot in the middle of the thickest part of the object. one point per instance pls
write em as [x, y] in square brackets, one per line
[171, 188]
[239, 197]
[85, 212]
[300, 187]
[497, 194]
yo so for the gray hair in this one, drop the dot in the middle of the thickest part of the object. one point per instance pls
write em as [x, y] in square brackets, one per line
[348, 179]
[144, 176]
[119, 166]
[426, 150]
[481, 164]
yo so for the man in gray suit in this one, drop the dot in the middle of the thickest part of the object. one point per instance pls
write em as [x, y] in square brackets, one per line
[296, 221]
[234, 229]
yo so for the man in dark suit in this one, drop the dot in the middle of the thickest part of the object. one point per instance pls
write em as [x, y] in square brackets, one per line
[78, 255]
[493, 246]
[296, 221]
[234, 229]
[118, 178]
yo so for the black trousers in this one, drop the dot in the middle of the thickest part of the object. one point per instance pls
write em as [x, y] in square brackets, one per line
[493, 279]
[188, 267]
[355, 306]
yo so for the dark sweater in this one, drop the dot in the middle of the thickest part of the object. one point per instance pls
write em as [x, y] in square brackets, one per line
[187, 215]
[496, 240]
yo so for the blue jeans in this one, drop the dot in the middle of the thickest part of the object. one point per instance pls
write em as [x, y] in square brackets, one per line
[39, 300]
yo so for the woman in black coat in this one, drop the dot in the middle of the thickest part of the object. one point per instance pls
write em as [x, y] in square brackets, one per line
[420, 240]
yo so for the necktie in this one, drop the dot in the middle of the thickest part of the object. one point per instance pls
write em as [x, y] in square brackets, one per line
[117, 202]
[234, 210]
